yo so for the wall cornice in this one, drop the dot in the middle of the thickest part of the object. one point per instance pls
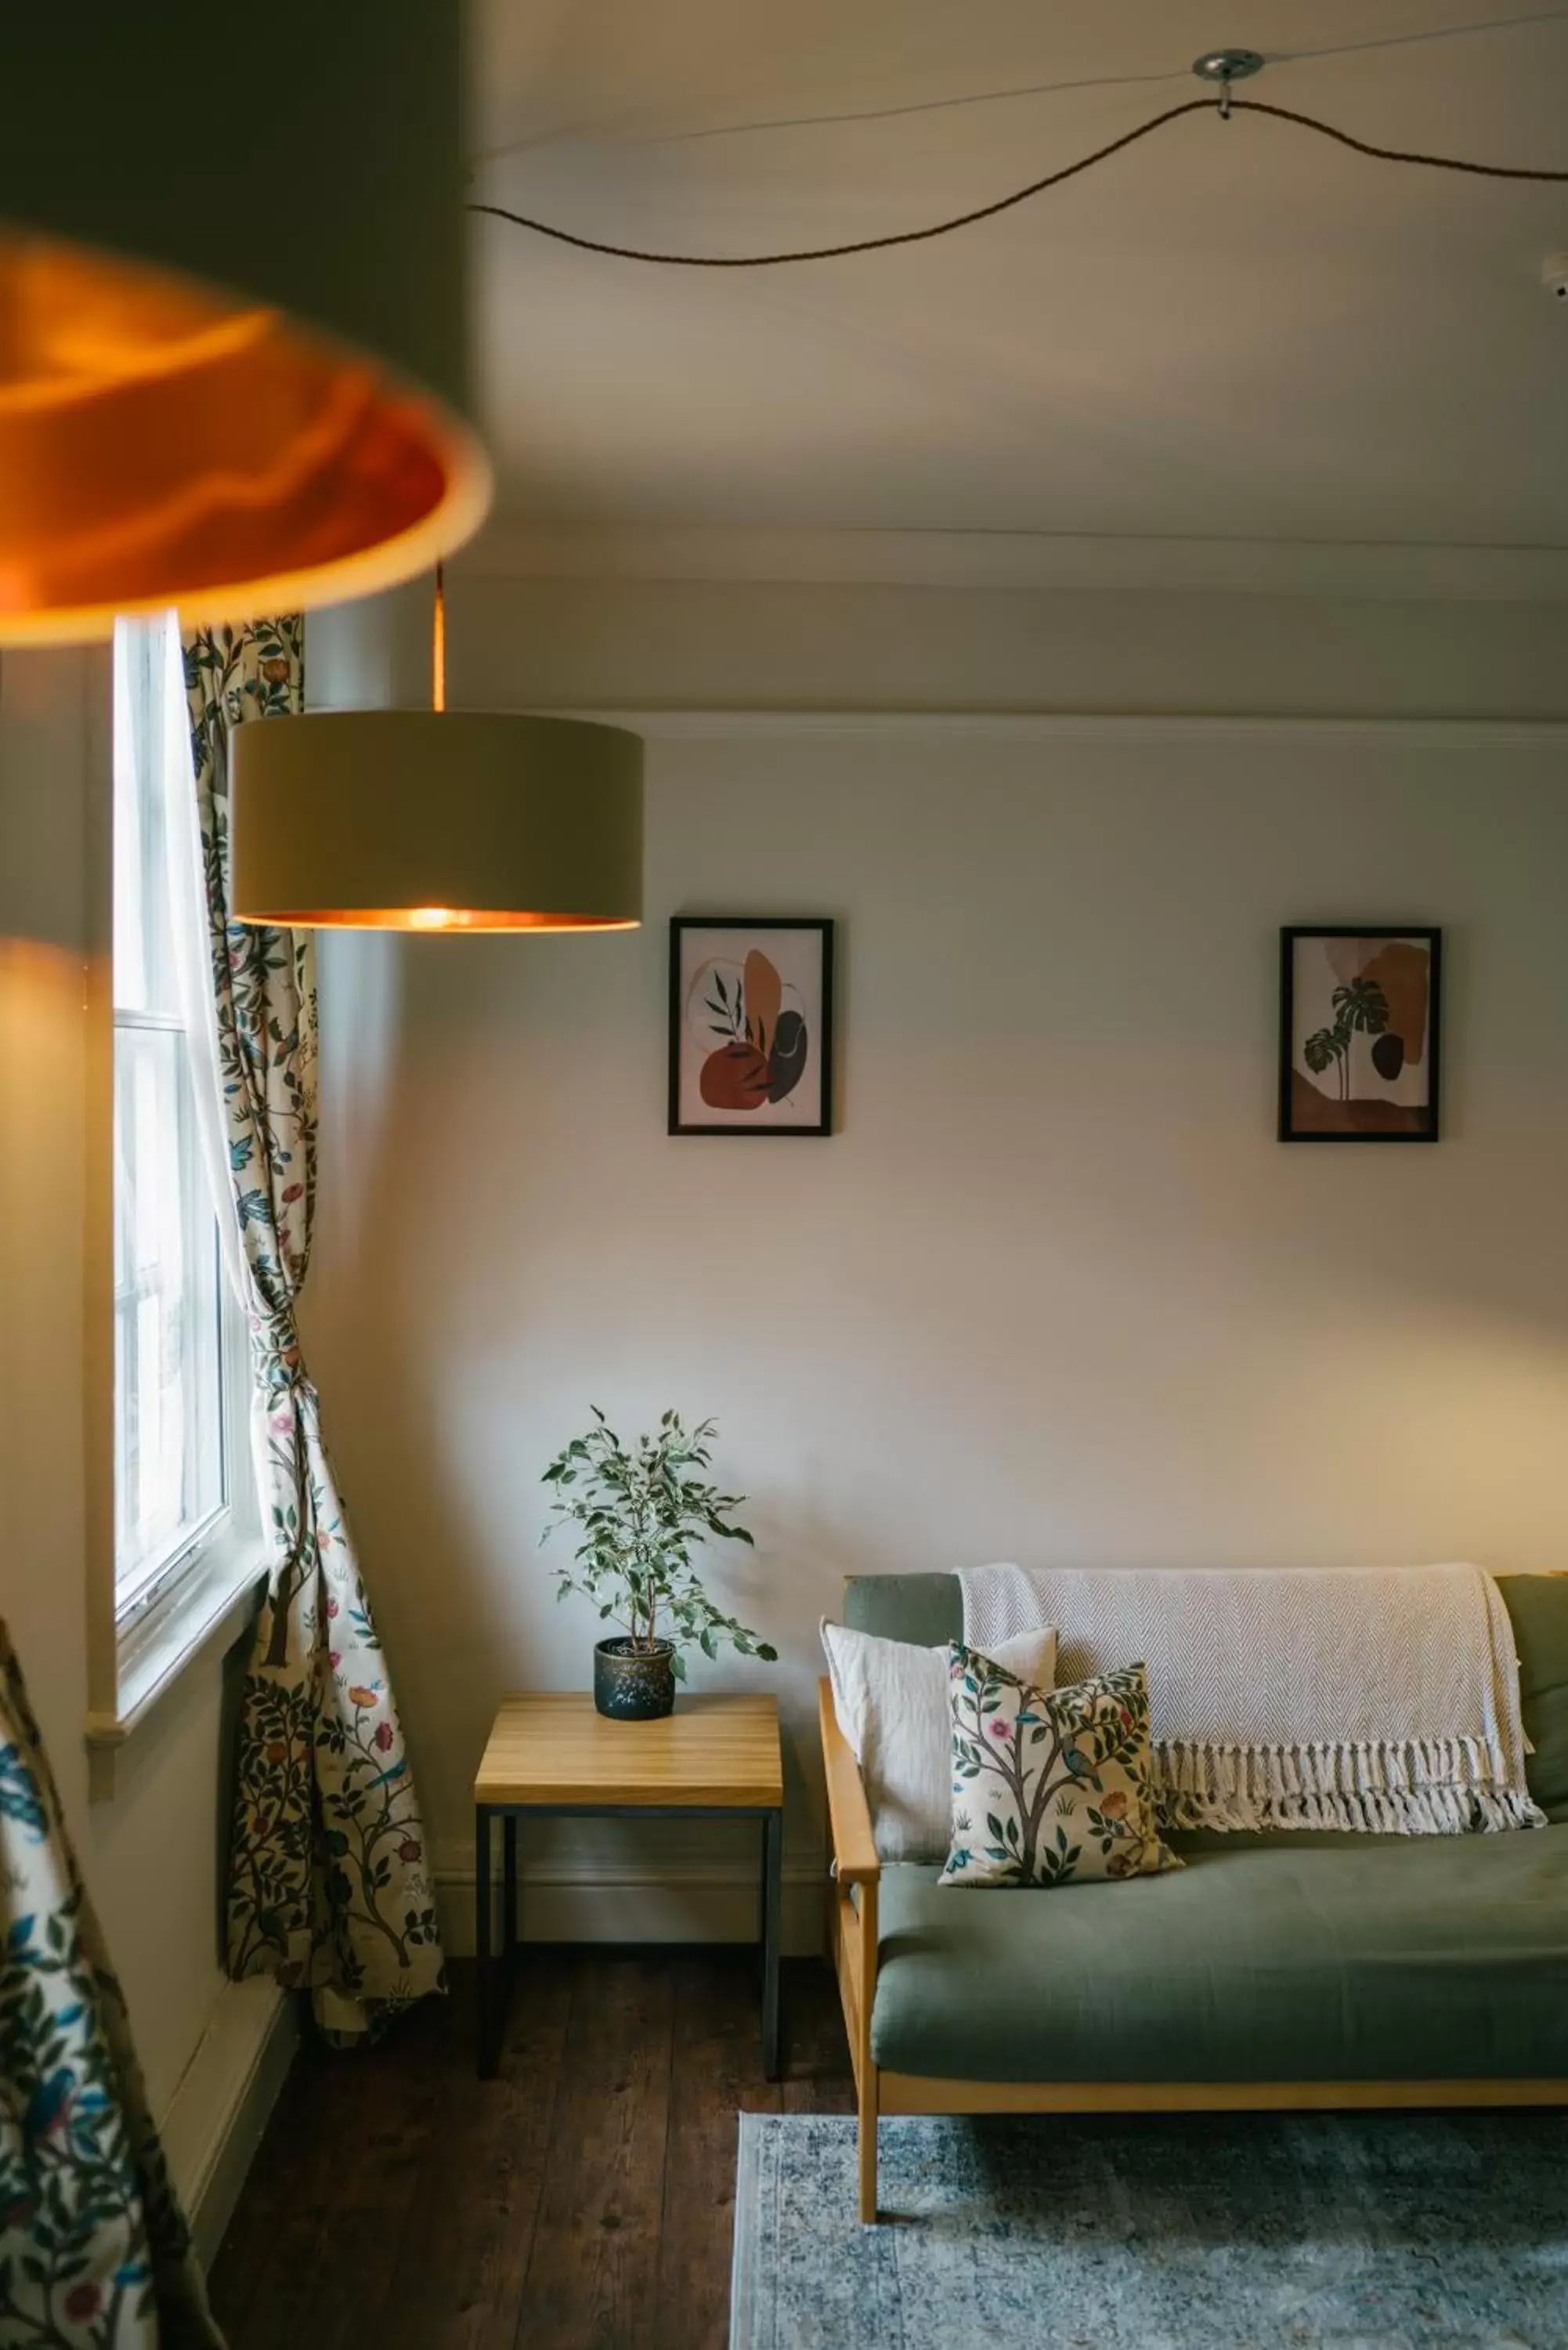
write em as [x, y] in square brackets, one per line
[1018, 561]
[674, 725]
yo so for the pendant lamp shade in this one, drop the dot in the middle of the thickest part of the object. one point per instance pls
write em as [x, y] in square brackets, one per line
[232, 366]
[436, 820]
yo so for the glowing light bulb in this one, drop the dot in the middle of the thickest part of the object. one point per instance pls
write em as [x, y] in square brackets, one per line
[430, 918]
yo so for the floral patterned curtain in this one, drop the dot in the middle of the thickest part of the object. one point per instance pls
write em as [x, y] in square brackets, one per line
[94, 2250]
[329, 1889]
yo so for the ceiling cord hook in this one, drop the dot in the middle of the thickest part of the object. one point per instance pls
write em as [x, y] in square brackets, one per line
[1225, 67]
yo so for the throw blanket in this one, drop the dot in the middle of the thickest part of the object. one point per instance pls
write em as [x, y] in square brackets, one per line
[1380, 1698]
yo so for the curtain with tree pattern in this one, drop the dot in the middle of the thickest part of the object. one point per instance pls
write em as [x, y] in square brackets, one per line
[329, 1885]
[95, 2253]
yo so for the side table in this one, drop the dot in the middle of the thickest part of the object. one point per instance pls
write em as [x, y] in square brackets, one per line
[549, 1752]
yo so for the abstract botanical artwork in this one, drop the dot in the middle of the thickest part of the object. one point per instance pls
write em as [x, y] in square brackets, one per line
[1358, 1036]
[751, 1026]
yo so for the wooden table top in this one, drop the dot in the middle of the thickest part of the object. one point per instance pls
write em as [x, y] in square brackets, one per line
[550, 1747]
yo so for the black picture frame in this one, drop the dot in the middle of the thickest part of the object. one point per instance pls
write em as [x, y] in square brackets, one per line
[1290, 1128]
[680, 924]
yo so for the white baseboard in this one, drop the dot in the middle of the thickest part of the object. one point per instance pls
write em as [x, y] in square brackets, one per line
[612, 1900]
[216, 2117]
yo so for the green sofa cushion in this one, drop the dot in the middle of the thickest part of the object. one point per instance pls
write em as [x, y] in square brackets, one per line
[926, 1609]
[1292, 1957]
[930, 1609]
[1538, 1606]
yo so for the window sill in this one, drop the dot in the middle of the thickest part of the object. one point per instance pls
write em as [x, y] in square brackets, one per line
[213, 1605]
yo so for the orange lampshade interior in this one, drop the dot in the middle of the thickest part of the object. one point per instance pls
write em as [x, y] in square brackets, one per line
[434, 920]
[159, 445]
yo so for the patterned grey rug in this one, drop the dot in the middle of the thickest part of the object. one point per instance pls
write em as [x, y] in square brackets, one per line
[1380, 2231]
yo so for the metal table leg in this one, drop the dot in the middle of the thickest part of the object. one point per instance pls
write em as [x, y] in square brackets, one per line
[510, 1949]
[488, 2035]
[773, 1907]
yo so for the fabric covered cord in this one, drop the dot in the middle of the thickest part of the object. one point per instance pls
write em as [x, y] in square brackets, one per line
[1381, 1699]
[329, 1886]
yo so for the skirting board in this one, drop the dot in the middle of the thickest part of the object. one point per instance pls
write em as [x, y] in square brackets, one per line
[688, 1901]
[218, 2112]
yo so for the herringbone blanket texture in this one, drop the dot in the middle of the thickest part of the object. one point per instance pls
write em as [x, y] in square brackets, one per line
[1378, 1698]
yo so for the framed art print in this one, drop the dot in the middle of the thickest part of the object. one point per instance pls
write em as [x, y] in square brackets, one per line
[1358, 1035]
[750, 1025]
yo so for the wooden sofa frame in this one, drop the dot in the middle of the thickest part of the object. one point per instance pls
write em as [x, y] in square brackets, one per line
[856, 1872]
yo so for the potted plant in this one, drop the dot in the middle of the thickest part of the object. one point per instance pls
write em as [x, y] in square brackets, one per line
[640, 1510]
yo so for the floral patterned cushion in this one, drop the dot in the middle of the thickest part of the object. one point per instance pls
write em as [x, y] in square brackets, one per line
[1050, 1786]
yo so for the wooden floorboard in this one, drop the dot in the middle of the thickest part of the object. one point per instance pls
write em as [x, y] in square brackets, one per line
[459, 2277]
[581, 2201]
[594, 2268]
[332, 2191]
[713, 2076]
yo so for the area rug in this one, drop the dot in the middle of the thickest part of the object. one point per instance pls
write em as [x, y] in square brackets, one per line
[1332, 2232]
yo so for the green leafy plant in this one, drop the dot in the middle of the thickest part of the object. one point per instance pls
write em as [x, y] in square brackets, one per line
[642, 1508]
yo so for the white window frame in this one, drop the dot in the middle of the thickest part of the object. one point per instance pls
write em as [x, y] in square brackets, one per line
[143, 1617]
[209, 1587]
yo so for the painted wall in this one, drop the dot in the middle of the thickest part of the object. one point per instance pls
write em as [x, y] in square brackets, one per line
[151, 1855]
[1053, 1291]
[570, 642]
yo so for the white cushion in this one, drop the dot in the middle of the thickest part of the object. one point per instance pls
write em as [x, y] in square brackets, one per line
[892, 1700]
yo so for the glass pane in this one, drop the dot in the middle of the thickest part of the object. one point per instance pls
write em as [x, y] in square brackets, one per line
[144, 963]
[170, 1452]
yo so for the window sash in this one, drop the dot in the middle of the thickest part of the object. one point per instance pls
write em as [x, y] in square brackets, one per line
[180, 1371]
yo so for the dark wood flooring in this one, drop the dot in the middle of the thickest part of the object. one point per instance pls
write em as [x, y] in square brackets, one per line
[583, 2198]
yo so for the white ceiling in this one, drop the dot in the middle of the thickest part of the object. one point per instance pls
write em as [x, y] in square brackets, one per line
[1231, 330]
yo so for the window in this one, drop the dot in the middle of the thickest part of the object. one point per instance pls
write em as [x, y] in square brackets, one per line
[178, 1407]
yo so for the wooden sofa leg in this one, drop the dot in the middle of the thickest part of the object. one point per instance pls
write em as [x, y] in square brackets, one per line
[867, 2112]
[856, 1875]
[866, 2069]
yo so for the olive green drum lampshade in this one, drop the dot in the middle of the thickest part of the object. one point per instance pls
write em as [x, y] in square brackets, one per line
[436, 820]
[233, 307]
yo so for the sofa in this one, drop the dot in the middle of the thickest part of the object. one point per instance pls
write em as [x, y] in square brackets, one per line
[1298, 1969]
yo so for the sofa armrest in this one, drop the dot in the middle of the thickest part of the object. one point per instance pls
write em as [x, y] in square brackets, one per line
[848, 1815]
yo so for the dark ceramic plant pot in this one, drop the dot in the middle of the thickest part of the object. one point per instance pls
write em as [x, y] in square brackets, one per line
[632, 1683]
